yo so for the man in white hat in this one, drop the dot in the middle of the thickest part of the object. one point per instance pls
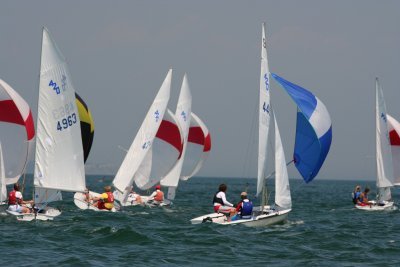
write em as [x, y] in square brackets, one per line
[244, 208]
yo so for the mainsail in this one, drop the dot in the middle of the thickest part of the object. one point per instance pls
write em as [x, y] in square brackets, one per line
[264, 115]
[182, 114]
[17, 132]
[59, 154]
[313, 130]
[384, 162]
[144, 138]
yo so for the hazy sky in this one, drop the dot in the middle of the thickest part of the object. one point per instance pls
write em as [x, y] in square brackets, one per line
[118, 53]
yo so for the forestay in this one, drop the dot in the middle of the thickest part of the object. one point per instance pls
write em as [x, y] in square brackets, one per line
[264, 115]
[59, 154]
[144, 137]
[17, 132]
[197, 149]
[384, 162]
[182, 114]
[313, 130]
[394, 133]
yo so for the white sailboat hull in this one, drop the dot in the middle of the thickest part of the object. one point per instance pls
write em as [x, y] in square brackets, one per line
[130, 202]
[385, 205]
[48, 214]
[268, 217]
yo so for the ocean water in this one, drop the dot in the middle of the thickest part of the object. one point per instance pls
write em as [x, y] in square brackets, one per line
[323, 229]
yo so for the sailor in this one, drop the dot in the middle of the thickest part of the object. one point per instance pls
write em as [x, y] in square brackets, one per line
[364, 198]
[88, 197]
[244, 208]
[356, 194]
[221, 205]
[157, 196]
[106, 200]
[134, 197]
[15, 201]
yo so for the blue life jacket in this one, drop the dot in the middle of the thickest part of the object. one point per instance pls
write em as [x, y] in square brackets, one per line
[356, 195]
[246, 210]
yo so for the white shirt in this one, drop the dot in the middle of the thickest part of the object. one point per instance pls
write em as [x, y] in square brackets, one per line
[223, 197]
[18, 195]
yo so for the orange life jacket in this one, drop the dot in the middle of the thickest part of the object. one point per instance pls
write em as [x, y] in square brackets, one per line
[159, 196]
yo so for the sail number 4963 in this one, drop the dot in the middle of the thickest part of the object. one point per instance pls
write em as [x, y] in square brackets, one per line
[66, 122]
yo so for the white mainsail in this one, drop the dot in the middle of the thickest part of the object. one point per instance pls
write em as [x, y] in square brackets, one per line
[282, 188]
[182, 113]
[3, 186]
[197, 149]
[384, 163]
[264, 114]
[59, 153]
[144, 138]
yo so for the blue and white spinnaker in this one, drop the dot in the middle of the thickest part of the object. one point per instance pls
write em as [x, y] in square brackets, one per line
[313, 130]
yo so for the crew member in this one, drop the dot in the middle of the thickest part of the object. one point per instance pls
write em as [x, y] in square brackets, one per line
[105, 200]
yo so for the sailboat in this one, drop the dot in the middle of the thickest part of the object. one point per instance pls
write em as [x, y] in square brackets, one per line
[155, 149]
[264, 214]
[313, 140]
[384, 158]
[152, 154]
[59, 162]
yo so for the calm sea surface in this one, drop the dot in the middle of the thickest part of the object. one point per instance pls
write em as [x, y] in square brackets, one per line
[323, 229]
